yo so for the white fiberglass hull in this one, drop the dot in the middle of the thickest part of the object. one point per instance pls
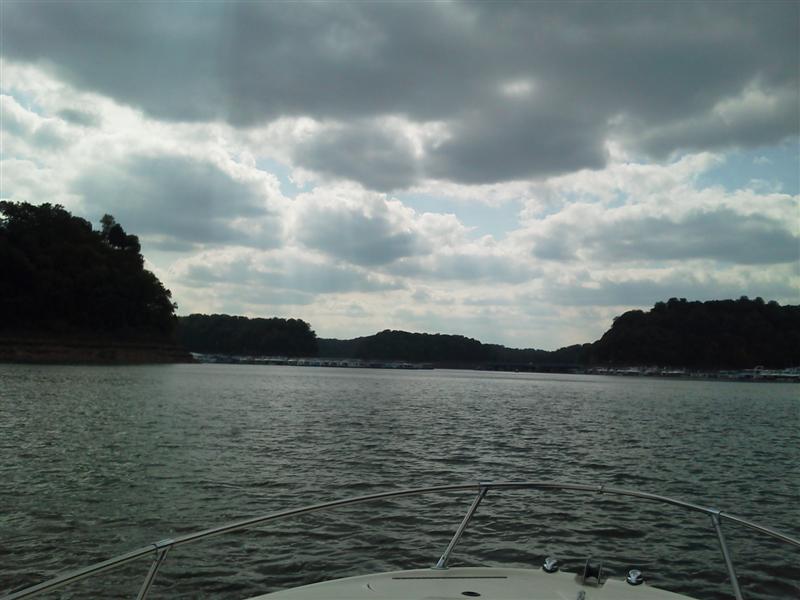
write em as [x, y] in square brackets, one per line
[462, 583]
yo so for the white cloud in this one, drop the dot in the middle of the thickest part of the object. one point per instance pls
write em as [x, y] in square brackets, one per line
[250, 171]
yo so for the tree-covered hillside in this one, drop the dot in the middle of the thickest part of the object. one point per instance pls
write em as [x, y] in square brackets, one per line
[720, 334]
[708, 335]
[225, 334]
[421, 347]
[60, 276]
[444, 349]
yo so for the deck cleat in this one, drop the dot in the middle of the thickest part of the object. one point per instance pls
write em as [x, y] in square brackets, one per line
[635, 577]
[550, 565]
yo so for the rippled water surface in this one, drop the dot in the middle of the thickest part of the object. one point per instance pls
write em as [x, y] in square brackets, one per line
[95, 461]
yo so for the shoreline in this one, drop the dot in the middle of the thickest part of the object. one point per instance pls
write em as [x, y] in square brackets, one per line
[756, 375]
[78, 350]
[89, 351]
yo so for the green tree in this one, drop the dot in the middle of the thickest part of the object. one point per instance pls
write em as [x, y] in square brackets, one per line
[59, 275]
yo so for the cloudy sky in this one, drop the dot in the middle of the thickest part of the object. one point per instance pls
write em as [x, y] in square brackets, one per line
[515, 172]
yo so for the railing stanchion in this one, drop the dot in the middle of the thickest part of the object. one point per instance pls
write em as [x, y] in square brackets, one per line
[151, 574]
[442, 562]
[737, 592]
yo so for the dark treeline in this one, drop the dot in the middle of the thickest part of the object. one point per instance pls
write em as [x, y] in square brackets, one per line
[60, 276]
[577, 354]
[224, 334]
[405, 346]
[718, 334]
[443, 349]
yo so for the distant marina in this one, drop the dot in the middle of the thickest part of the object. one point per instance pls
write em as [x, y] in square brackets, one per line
[349, 363]
[791, 375]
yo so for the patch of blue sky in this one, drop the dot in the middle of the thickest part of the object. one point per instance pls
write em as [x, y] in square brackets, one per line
[773, 168]
[619, 199]
[483, 219]
[24, 99]
[288, 187]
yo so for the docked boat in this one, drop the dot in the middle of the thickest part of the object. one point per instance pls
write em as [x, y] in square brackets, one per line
[440, 581]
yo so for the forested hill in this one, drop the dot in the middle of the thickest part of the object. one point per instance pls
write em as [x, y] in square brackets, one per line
[57, 274]
[224, 334]
[721, 334]
[717, 334]
[440, 349]
[69, 293]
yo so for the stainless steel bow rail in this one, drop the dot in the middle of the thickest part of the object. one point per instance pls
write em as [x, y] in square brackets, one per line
[159, 550]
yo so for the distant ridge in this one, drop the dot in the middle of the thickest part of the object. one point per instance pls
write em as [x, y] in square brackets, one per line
[444, 350]
[226, 334]
[713, 335]
[718, 334]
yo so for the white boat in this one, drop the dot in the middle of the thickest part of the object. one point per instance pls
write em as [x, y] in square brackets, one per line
[441, 582]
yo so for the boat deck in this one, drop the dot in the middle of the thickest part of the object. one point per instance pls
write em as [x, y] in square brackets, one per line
[461, 583]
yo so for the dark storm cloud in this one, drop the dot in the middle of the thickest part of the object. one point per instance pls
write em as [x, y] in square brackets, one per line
[179, 197]
[761, 121]
[507, 145]
[246, 61]
[651, 71]
[722, 235]
[381, 160]
[348, 232]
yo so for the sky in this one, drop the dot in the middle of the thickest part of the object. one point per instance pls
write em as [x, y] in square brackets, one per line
[517, 172]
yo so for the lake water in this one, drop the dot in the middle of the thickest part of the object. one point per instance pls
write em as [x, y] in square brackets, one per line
[95, 461]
